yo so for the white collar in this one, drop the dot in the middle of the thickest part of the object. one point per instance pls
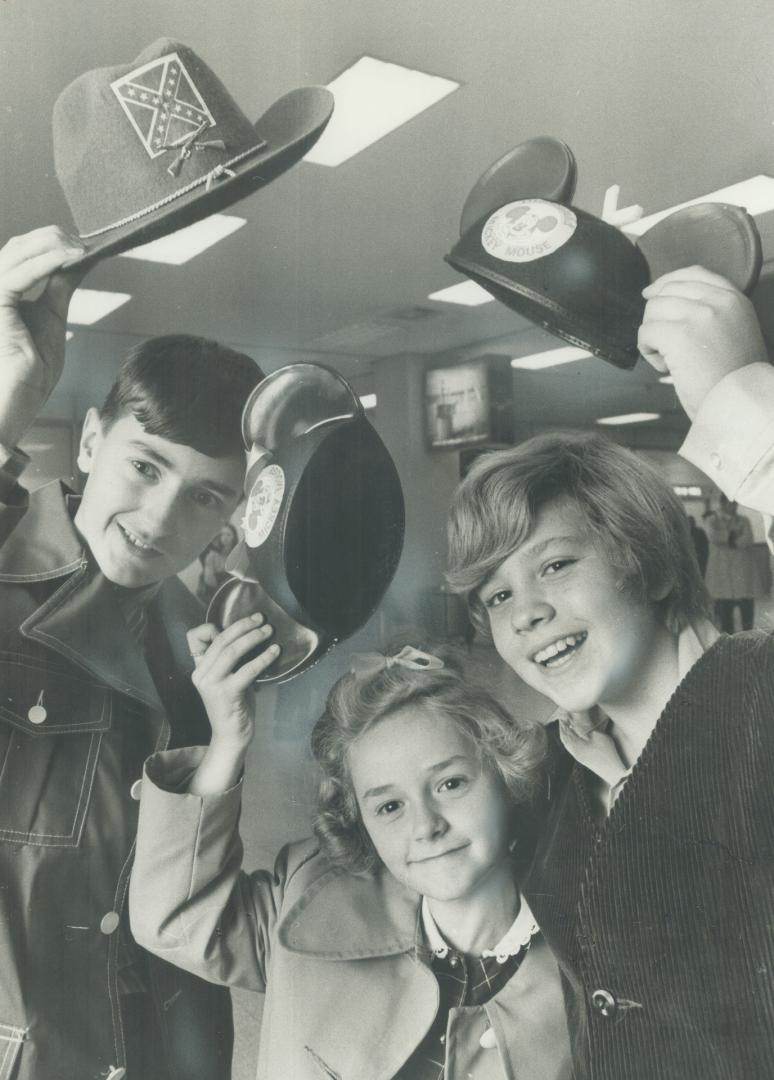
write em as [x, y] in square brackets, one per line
[518, 936]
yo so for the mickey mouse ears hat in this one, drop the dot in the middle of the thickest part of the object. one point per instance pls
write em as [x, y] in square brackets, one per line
[574, 274]
[145, 148]
[324, 517]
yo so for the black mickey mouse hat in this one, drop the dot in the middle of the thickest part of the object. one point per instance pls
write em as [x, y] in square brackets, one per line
[324, 517]
[571, 272]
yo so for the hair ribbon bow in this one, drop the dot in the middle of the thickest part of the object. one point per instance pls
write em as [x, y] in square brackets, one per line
[366, 664]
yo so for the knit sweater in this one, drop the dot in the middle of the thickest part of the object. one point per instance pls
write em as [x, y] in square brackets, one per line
[662, 916]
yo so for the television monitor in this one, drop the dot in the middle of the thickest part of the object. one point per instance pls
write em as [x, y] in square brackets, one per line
[469, 403]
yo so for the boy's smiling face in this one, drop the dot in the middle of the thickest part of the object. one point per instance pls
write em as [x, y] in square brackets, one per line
[438, 818]
[561, 620]
[150, 505]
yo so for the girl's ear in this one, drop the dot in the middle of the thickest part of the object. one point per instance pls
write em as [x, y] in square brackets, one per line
[718, 236]
[541, 168]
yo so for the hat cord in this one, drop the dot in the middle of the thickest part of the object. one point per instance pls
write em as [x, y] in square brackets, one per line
[224, 169]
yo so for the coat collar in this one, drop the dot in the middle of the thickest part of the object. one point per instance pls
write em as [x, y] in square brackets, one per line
[43, 544]
[343, 916]
[82, 619]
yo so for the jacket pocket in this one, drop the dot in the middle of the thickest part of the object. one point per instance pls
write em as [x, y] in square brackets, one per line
[11, 1039]
[51, 728]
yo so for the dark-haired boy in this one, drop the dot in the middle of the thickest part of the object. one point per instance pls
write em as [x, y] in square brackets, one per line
[95, 675]
[654, 878]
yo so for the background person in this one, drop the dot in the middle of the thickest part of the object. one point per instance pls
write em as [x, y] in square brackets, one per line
[731, 566]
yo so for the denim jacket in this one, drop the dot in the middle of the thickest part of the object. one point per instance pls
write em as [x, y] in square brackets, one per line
[79, 711]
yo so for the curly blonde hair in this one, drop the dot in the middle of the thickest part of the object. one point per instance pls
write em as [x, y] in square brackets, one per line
[514, 752]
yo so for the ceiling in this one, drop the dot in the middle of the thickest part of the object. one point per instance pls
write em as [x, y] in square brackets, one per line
[669, 100]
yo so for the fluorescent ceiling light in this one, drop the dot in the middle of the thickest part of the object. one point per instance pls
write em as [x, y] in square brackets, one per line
[368, 401]
[466, 292]
[90, 305]
[756, 195]
[372, 99]
[630, 418]
[687, 491]
[185, 244]
[667, 380]
[550, 358]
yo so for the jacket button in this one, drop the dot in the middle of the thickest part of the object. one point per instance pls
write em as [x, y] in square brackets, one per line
[36, 714]
[109, 922]
[604, 1002]
[488, 1040]
[136, 789]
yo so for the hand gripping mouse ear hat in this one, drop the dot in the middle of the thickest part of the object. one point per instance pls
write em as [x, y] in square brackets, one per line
[323, 521]
[571, 272]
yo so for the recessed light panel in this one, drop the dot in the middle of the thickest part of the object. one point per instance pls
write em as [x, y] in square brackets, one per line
[467, 293]
[374, 98]
[630, 418]
[755, 195]
[185, 244]
[90, 305]
[550, 358]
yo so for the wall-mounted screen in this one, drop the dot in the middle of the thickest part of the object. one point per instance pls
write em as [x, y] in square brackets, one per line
[469, 403]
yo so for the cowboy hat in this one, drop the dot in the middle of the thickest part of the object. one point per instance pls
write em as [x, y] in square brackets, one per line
[145, 148]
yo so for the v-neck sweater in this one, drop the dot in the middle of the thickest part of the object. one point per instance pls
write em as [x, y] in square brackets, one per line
[662, 916]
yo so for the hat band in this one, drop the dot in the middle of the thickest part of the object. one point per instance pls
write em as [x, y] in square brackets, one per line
[208, 179]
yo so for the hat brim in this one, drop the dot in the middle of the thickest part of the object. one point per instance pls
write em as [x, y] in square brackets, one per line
[290, 127]
[598, 337]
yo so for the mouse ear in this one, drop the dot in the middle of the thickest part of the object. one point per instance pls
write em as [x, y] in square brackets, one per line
[718, 236]
[541, 168]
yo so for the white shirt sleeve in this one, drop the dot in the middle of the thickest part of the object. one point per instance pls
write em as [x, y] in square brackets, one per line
[732, 439]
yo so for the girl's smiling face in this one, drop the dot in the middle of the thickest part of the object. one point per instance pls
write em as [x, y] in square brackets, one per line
[560, 618]
[439, 819]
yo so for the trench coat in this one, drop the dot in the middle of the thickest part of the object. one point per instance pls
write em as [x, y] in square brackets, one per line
[79, 711]
[340, 957]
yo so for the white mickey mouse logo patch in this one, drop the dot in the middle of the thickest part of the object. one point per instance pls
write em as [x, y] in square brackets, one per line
[527, 229]
[263, 505]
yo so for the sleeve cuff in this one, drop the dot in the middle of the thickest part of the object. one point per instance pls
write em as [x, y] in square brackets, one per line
[734, 427]
[170, 771]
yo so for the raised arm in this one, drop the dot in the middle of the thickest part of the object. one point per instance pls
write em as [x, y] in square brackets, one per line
[32, 334]
[190, 902]
[705, 333]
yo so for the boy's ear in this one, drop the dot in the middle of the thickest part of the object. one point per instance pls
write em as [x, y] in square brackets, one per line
[717, 236]
[91, 433]
[660, 590]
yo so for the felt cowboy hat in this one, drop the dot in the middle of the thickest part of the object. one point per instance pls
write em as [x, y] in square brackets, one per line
[573, 273]
[145, 148]
[323, 522]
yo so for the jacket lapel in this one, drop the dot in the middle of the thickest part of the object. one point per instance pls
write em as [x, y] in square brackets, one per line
[352, 917]
[81, 620]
